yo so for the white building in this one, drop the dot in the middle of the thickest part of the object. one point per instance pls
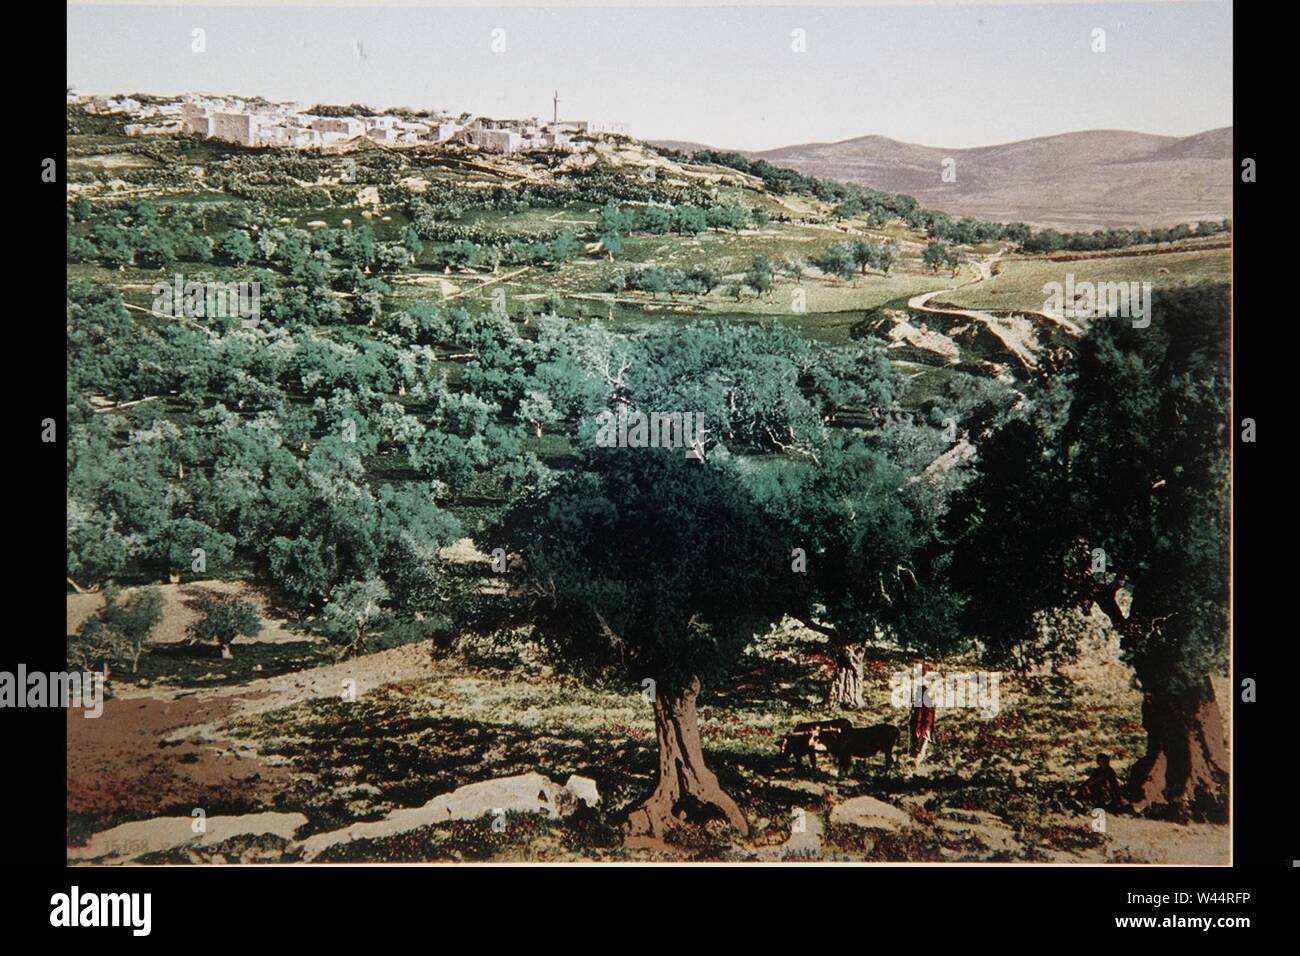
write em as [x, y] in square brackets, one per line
[338, 128]
[235, 127]
[491, 138]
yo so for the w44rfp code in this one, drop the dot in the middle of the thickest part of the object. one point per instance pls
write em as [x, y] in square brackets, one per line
[1164, 899]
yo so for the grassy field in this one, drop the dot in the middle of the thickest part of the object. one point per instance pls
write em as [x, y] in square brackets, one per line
[1018, 282]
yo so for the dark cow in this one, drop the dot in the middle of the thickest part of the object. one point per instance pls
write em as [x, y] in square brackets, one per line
[861, 742]
[807, 739]
[799, 746]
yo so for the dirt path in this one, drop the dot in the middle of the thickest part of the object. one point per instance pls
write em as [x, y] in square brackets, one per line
[118, 765]
[164, 749]
[555, 217]
[1014, 331]
[484, 285]
[354, 677]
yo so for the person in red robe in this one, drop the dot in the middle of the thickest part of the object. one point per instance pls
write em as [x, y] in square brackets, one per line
[921, 722]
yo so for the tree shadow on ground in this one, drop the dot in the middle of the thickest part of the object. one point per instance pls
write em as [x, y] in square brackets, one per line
[349, 748]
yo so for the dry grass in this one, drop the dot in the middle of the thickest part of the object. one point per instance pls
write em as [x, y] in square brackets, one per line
[1019, 281]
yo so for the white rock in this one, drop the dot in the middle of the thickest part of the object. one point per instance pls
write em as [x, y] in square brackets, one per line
[125, 842]
[583, 789]
[807, 842]
[525, 793]
[870, 813]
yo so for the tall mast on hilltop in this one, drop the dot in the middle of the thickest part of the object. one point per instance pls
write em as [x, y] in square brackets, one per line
[555, 116]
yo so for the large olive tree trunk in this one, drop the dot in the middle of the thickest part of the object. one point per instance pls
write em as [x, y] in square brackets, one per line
[1185, 767]
[845, 689]
[1186, 763]
[687, 791]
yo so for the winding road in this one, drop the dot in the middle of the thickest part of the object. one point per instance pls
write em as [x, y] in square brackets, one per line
[1011, 329]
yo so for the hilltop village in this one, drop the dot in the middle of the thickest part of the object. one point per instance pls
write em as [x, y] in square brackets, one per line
[261, 123]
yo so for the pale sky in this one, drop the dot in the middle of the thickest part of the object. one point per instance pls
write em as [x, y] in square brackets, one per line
[953, 75]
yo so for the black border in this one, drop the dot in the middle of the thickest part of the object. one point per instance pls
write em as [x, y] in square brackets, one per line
[944, 904]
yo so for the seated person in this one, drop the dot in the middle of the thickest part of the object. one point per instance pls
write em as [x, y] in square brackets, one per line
[1102, 788]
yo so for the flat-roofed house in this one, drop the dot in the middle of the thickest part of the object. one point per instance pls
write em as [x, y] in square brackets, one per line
[346, 127]
[235, 127]
[496, 140]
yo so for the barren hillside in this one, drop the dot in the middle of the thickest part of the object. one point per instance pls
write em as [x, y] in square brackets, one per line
[1074, 181]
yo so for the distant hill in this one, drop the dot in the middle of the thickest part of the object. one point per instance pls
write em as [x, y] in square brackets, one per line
[1085, 180]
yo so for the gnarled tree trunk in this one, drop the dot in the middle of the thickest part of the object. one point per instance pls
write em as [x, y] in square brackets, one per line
[1186, 763]
[846, 682]
[687, 791]
[1185, 767]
